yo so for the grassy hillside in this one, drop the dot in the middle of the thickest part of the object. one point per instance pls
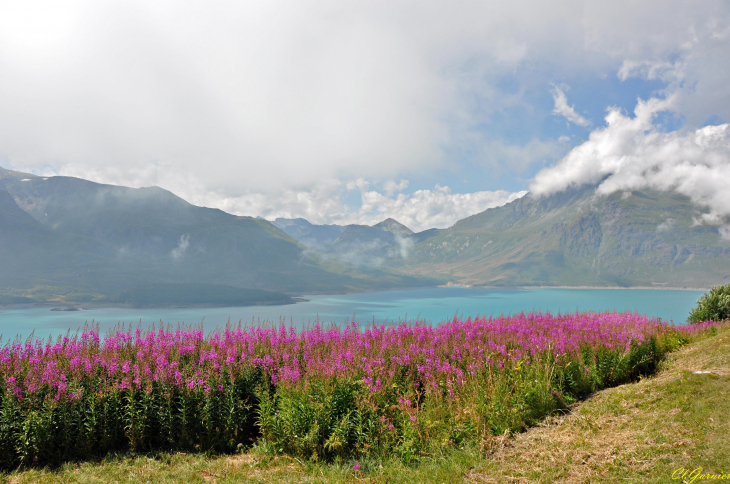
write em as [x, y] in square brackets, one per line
[576, 238]
[639, 432]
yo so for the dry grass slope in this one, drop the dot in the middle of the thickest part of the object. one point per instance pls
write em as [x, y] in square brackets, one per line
[640, 432]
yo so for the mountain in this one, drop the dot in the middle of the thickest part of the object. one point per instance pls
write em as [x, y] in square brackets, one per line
[31, 252]
[394, 227]
[360, 245]
[309, 234]
[578, 238]
[67, 239]
[100, 239]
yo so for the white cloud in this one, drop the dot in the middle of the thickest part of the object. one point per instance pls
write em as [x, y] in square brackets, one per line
[665, 71]
[392, 187]
[672, 42]
[665, 226]
[423, 209]
[182, 247]
[562, 108]
[279, 95]
[630, 153]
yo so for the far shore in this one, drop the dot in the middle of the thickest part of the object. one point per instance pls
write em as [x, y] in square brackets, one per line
[643, 288]
[75, 306]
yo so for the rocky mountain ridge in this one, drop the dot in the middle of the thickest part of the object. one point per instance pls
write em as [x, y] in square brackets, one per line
[579, 238]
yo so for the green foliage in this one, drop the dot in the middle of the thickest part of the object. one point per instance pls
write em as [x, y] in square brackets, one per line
[341, 420]
[40, 432]
[712, 306]
[518, 396]
[319, 421]
[606, 367]
[326, 420]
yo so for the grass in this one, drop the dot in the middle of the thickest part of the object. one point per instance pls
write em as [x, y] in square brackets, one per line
[639, 432]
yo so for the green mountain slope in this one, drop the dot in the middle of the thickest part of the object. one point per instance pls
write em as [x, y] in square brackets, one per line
[31, 253]
[105, 239]
[577, 238]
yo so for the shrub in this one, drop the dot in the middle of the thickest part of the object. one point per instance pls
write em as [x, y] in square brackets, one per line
[712, 306]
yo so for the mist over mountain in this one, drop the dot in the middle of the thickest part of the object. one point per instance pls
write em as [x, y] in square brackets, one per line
[578, 238]
[359, 245]
[309, 234]
[69, 235]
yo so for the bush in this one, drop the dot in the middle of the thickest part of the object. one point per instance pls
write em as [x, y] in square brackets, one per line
[712, 306]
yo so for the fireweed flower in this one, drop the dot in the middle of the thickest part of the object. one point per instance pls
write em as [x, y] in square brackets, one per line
[433, 359]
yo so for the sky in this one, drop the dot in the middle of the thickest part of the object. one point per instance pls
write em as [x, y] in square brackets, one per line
[355, 111]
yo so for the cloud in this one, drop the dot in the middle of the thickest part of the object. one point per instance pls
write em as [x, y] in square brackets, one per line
[665, 226]
[686, 49]
[178, 252]
[404, 246]
[247, 97]
[423, 209]
[666, 71]
[392, 187]
[420, 210]
[631, 153]
[562, 108]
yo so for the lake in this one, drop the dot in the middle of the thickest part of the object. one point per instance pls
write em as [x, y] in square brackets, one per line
[431, 304]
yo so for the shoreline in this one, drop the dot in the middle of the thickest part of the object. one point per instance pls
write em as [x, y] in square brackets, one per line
[58, 306]
[617, 288]
[76, 307]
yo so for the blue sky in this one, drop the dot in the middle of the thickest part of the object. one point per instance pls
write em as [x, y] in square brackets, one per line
[535, 119]
[351, 112]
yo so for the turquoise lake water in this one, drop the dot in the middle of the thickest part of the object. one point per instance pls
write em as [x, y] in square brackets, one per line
[432, 304]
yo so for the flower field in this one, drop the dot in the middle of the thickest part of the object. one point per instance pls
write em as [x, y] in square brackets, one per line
[331, 394]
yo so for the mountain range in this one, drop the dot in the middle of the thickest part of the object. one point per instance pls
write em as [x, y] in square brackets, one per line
[66, 240]
[572, 238]
[579, 238]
